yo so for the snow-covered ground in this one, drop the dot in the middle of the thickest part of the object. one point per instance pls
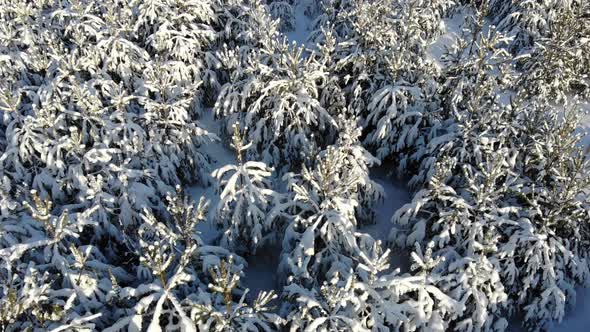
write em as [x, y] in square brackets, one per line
[261, 272]
[453, 26]
[302, 22]
[576, 320]
[584, 127]
[221, 157]
[396, 195]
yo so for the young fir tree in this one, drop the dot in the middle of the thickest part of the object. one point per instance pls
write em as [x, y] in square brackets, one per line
[246, 199]
[321, 239]
[275, 93]
[371, 299]
[557, 66]
[550, 40]
[491, 212]
[185, 284]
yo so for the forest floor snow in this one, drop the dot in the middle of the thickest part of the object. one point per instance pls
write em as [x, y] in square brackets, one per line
[302, 25]
[453, 26]
[396, 195]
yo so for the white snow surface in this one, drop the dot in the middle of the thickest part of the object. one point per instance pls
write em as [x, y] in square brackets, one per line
[396, 195]
[584, 128]
[302, 25]
[261, 272]
[577, 319]
[453, 27]
[221, 156]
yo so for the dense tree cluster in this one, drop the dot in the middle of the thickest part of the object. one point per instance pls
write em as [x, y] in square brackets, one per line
[502, 192]
[100, 105]
[100, 101]
[550, 38]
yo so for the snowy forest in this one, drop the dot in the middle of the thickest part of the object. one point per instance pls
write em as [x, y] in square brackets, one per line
[294, 165]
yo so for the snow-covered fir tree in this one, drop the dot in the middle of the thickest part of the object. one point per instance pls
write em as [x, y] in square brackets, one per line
[529, 21]
[98, 127]
[370, 299]
[491, 206]
[477, 78]
[482, 178]
[246, 198]
[328, 196]
[105, 114]
[284, 12]
[558, 65]
[274, 94]
[223, 314]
